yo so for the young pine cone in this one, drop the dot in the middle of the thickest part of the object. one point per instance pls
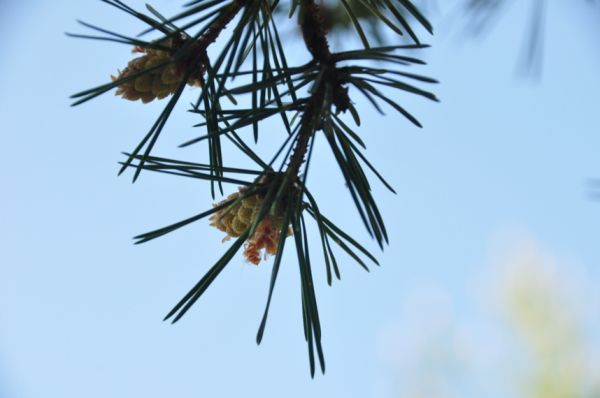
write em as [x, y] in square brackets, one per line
[238, 217]
[160, 82]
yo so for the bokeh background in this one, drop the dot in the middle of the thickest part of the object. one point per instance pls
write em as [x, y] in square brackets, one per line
[489, 287]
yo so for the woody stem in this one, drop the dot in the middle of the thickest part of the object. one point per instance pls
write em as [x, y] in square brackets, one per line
[316, 42]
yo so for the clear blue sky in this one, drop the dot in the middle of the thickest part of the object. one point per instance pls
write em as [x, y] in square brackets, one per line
[81, 307]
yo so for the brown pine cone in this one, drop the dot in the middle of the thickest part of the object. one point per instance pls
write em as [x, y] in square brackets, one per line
[239, 216]
[160, 82]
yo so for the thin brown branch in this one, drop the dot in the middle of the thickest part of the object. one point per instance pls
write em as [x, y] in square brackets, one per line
[308, 127]
[196, 53]
[215, 29]
[314, 34]
[315, 38]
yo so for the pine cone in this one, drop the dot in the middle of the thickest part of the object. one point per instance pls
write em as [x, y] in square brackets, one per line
[239, 216]
[160, 82]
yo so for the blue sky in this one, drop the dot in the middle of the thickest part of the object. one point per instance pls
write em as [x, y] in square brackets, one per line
[81, 307]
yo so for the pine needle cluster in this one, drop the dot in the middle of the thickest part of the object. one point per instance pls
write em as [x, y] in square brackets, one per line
[272, 202]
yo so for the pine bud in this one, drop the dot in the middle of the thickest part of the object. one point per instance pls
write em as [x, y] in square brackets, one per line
[163, 81]
[236, 218]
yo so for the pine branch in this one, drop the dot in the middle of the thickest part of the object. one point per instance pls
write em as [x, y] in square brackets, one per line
[270, 203]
